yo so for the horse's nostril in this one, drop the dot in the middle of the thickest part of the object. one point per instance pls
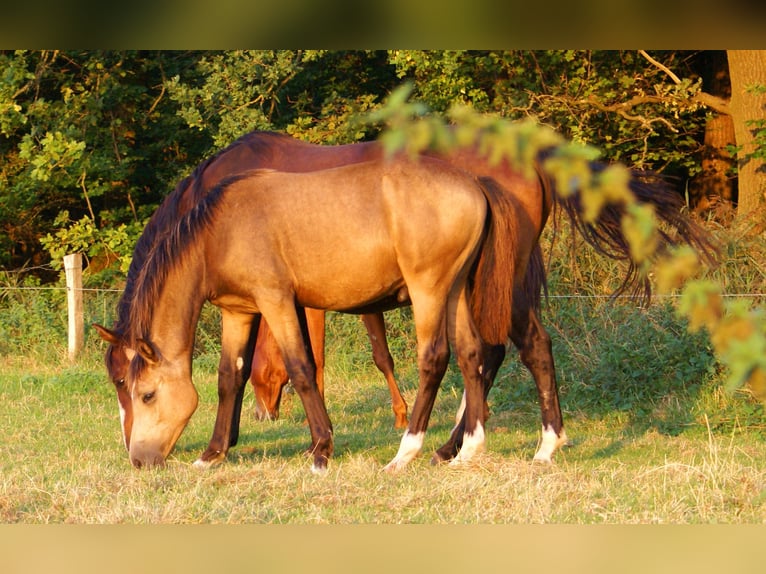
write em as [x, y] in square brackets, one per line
[157, 462]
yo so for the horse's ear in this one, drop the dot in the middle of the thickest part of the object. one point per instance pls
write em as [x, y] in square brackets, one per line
[107, 335]
[147, 352]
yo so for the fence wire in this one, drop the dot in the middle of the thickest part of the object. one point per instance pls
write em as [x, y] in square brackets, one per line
[550, 296]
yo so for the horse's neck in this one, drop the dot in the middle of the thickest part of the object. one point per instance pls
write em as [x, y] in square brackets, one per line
[177, 309]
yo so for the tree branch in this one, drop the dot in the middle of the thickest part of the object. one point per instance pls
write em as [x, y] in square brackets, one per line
[715, 103]
[676, 79]
[623, 107]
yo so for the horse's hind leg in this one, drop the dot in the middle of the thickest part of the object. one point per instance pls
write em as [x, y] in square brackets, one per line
[534, 344]
[433, 358]
[469, 350]
[535, 350]
[290, 332]
[376, 330]
[493, 358]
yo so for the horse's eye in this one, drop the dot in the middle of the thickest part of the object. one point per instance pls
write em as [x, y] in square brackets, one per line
[147, 397]
[120, 383]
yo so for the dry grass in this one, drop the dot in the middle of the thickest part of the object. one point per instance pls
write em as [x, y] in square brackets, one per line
[62, 462]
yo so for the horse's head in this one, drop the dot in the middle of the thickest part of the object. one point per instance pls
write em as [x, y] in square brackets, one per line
[117, 362]
[156, 398]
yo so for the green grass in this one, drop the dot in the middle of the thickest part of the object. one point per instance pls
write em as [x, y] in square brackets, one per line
[654, 437]
[654, 440]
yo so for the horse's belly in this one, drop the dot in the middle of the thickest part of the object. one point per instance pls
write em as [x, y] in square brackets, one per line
[343, 284]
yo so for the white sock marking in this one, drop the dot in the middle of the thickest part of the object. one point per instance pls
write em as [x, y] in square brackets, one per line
[122, 424]
[550, 442]
[473, 443]
[460, 410]
[408, 449]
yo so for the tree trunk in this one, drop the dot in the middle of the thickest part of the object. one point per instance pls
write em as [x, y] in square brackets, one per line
[747, 68]
[713, 190]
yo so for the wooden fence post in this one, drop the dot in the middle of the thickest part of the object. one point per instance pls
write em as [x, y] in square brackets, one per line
[73, 269]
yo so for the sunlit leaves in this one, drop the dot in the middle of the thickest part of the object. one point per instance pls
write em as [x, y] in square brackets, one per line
[239, 91]
[701, 302]
[53, 152]
[114, 244]
[673, 271]
[737, 332]
[640, 229]
[739, 340]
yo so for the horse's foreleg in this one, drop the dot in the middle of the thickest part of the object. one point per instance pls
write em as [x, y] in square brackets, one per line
[245, 375]
[376, 330]
[233, 370]
[536, 353]
[433, 358]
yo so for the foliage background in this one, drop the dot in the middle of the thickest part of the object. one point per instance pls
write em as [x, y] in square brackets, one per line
[711, 549]
[91, 141]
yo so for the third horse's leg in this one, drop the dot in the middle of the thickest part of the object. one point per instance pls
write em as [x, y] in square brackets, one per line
[376, 330]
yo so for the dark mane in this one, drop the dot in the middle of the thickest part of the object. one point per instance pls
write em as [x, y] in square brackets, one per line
[167, 252]
[187, 193]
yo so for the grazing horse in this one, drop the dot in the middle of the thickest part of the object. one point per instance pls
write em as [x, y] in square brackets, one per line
[251, 151]
[536, 197]
[387, 233]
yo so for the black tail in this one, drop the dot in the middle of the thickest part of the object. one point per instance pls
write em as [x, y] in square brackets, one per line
[606, 236]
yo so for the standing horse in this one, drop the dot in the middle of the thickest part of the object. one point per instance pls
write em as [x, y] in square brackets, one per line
[386, 233]
[535, 198]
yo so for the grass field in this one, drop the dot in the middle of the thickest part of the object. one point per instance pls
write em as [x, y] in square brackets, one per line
[654, 436]
[654, 439]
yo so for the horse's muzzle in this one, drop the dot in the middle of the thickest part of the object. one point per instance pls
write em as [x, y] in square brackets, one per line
[147, 459]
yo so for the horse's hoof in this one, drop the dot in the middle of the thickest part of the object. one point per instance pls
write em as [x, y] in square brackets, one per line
[439, 458]
[542, 458]
[319, 467]
[458, 462]
[395, 466]
[265, 416]
[550, 443]
[209, 460]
